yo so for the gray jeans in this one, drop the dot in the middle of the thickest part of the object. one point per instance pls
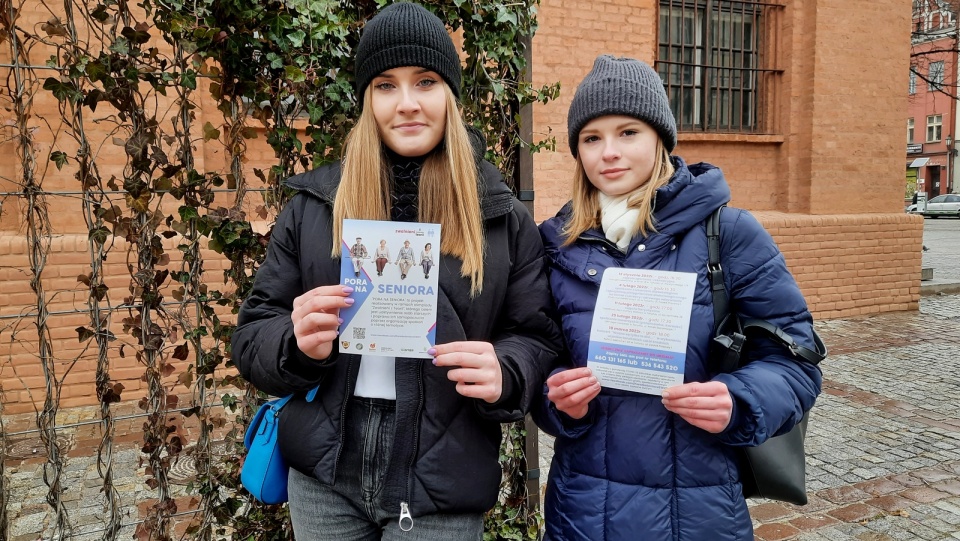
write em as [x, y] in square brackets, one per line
[350, 510]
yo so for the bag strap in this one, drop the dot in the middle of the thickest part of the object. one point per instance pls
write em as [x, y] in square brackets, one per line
[281, 402]
[787, 341]
[721, 305]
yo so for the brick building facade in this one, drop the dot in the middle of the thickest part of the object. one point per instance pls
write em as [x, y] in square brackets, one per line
[820, 163]
[932, 111]
[823, 172]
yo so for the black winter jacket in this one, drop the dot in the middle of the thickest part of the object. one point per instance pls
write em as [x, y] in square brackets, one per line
[446, 446]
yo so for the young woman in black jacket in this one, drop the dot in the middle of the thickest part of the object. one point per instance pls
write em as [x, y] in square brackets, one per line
[396, 448]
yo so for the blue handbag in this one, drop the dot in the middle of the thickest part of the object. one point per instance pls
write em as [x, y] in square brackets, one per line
[264, 472]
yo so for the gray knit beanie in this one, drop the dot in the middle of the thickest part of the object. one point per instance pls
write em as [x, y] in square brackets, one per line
[406, 34]
[621, 86]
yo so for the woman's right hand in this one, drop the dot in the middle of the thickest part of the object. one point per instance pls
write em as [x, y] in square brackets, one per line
[572, 390]
[316, 318]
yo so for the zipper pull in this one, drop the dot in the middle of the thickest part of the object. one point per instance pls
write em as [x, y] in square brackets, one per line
[405, 516]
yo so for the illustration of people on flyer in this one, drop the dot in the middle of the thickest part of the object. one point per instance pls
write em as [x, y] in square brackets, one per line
[395, 310]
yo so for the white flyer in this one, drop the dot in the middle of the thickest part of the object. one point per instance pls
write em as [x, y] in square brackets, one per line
[392, 268]
[638, 339]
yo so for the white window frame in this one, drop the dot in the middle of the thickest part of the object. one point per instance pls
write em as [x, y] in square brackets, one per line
[935, 76]
[913, 82]
[934, 128]
[910, 131]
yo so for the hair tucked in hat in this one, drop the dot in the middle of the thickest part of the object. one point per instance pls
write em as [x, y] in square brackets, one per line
[406, 34]
[621, 86]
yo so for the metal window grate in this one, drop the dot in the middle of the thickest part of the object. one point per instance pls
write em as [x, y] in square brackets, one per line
[719, 63]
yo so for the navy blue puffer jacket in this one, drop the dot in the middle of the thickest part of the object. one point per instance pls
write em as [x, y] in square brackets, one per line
[630, 470]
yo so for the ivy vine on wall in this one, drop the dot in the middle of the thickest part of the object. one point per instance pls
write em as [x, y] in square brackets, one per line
[278, 71]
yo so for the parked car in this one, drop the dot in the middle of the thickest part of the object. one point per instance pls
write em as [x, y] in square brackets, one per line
[941, 205]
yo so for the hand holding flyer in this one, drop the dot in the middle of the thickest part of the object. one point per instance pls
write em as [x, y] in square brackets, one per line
[395, 311]
[638, 340]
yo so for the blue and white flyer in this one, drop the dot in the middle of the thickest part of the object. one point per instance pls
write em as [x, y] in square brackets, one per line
[638, 340]
[391, 267]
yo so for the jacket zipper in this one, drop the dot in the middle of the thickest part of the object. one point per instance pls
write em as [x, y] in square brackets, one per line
[406, 520]
[405, 515]
[343, 420]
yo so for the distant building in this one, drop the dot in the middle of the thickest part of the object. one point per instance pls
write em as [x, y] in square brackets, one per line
[932, 122]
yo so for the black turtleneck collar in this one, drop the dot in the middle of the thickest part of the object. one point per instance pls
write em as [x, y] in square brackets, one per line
[405, 189]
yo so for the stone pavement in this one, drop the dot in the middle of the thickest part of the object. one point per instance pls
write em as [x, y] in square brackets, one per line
[29, 515]
[883, 444]
[942, 239]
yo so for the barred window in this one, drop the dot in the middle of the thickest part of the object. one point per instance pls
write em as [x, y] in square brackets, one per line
[718, 63]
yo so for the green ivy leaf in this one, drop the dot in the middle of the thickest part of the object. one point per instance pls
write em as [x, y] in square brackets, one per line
[188, 79]
[84, 334]
[99, 13]
[63, 91]
[59, 158]
[137, 35]
[120, 46]
[98, 235]
[504, 15]
[163, 184]
[209, 132]
[294, 74]
[296, 37]
[188, 213]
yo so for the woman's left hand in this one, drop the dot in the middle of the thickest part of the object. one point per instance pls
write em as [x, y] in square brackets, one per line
[705, 405]
[476, 368]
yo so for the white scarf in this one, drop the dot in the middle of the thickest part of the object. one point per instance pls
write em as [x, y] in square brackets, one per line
[620, 222]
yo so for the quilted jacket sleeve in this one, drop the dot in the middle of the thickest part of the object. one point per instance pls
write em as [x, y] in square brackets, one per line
[527, 339]
[773, 391]
[545, 413]
[264, 347]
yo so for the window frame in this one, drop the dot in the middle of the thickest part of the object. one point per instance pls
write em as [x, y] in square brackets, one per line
[934, 122]
[911, 127]
[935, 77]
[716, 60]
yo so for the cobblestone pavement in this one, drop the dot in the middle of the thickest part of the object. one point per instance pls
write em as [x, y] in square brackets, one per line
[883, 444]
[28, 514]
[942, 239]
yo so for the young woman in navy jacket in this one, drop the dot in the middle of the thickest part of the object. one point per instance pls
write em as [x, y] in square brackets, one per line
[631, 466]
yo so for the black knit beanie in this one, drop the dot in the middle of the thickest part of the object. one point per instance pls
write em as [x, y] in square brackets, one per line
[406, 34]
[621, 86]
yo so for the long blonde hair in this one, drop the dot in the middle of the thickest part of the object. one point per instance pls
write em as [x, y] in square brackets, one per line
[449, 188]
[586, 203]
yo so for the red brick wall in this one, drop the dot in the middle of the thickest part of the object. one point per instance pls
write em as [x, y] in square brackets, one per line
[849, 264]
[570, 36]
[21, 373]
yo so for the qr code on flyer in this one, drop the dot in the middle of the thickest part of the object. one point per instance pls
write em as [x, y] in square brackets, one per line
[359, 333]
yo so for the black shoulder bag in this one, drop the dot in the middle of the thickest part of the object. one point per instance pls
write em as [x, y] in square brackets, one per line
[775, 469]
